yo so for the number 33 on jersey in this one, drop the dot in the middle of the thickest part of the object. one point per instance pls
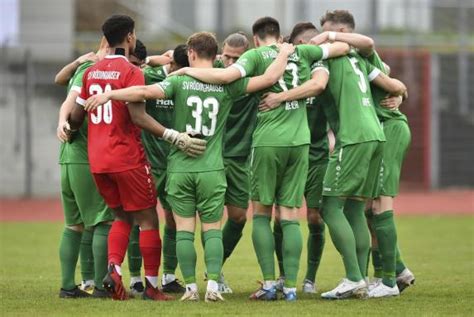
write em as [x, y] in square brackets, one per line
[200, 109]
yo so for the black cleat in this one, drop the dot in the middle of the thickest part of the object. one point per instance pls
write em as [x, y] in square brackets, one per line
[100, 293]
[73, 293]
[173, 287]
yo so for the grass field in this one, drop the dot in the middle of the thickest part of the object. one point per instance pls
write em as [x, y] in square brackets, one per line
[438, 249]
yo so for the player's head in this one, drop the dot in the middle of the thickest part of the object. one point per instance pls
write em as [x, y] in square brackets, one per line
[264, 29]
[338, 21]
[201, 46]
[180, 57]
[234, 46]
[119, 30]
[302, 33]
[286, 39]
[139, 55]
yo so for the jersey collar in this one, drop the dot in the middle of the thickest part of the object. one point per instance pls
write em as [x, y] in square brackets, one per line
[116, 56]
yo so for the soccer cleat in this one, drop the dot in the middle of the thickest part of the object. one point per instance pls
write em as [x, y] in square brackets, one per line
[382, 290]
[289, 296]
[113, 284]
[374, 282]
[346, 289]
[100, 293]
[264, 294]
[154, 293]
[87, 286]
[136, 289]
[73, 293]
[280, 283]
[405, 279]
[222, 285]
[173, 287]
[309, 287]
[191, 296]
[213, 296]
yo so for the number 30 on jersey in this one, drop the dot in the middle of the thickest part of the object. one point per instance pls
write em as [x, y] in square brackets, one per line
[104, 112]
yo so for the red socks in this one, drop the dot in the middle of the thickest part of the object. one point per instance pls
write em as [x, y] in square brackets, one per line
[150, 247]
[118, 241]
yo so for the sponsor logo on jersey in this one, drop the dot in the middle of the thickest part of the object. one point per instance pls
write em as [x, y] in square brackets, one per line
[292, 105]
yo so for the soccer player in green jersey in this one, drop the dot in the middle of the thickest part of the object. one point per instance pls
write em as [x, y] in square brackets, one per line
[388, 265]
[87, 218]
[199, 184]
[279, 160]
[157, 151]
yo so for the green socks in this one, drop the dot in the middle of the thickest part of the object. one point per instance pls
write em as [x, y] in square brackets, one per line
[387, 239]
[99, 249]
[213, 253]
[377, 263]
[341, 235]
[68, 255]
[231, 234]
[354, 212]
[292, 246]
[278, 237]
[186, 254]
[170, 261]
[316, 241]
[133, 252]
[400, 265]
[86, 258]
[264, 246]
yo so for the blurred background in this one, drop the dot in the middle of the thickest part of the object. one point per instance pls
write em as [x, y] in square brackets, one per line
[429, 44]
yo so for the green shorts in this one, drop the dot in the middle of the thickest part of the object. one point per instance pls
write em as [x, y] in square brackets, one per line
[237, 174]
[278, 175]
[313, 192]
[398, 138]
[203, 192]
[159, 175]
[81, 201]
[355, 170]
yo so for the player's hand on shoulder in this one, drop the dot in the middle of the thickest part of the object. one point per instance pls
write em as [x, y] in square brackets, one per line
[94, 101]
[89, 57]
[269, 101]
[178, 72]
[286, 48]
[391, 102]
[319, 39]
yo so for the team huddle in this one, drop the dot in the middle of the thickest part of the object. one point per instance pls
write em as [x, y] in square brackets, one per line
[313, 116]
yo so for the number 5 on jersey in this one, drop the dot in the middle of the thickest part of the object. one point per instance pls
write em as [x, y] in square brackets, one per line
[212, 109]
[104, 112]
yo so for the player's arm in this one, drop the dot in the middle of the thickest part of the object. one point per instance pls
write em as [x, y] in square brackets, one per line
[66, 108]
[211, 75]
[63, 76]
[364, 44]
[390, 85]
[129, 94]
[159, 60]
[76, 118]
[273, 72]
[310, 88]
[191, 146]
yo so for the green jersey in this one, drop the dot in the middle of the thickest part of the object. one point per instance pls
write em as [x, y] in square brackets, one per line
[200, 109]
[319, 147]
[349, 89]
[378, 94]
[161, 110]
[286, 125]
[75, 151]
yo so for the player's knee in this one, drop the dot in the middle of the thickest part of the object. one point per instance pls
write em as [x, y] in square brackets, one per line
[169, 220]
[314, 216]
[147, 219]
[238, 217]
[78, 228]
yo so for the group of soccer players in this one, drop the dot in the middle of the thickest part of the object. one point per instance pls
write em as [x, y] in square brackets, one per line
[316, 118]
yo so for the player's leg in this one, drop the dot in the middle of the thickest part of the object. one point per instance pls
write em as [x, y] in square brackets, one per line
[87, 260]
[278, 238]
[134, 257]
[374, 247]
[339, 183]
[316, 226]
[264, 173]
[70, 242]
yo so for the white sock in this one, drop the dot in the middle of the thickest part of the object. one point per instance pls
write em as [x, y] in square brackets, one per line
[88, 283]
[135, 279]
[192, 287]
[118, 269]
[286, 290]
[212, 286]
[153, 280]
[268, 284]
[167, 278]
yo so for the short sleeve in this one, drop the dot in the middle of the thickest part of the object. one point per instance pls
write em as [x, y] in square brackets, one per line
[312, 53]
[247, 63]
[154, 74]
[320, 65]
[84, 94]
[238, 88]
[169, 86]
[372, 71]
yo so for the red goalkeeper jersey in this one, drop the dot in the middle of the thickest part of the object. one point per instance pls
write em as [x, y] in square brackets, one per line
[113, 140]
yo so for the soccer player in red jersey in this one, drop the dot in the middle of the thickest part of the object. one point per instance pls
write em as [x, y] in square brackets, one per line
[117, 157]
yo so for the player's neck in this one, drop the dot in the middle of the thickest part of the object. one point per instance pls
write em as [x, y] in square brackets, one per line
[201, 63]
[267, 42]
[119, 50]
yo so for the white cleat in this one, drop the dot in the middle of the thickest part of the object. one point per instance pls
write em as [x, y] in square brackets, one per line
[347, 289]
[222, 285]
[213, 296]
[405, 279]
[190, 296]
[382, 290]
[280, 283]
[374, 282]
[309, 287]
[87, 286]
